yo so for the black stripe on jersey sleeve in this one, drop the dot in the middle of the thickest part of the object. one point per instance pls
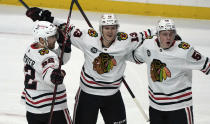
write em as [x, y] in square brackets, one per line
[135, 59]
[206, 62]
[97, 87]
[170, 94]
[142, 37]
[45, 105]
[208, 72]
[44, 74]
[22, 97]
[170, 103]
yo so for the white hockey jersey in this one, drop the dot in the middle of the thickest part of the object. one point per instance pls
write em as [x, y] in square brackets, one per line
[38, 91]
[170, 73]
[104, 67]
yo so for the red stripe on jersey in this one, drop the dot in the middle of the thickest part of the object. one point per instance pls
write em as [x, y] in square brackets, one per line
[48, 68]
[91, 82]
[189, 115]
[67, 116]
[169, 98]
[146, 35]
[204, 71]
[44, 100]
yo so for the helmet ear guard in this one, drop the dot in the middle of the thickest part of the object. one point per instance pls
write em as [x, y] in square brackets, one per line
[43, 29]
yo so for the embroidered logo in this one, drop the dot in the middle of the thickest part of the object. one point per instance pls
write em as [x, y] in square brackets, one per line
[159, 71]
[92, 33]
[122, 36]
[43, 51]
[94, 50]
[184, 45]
[148, 53]
[104, 63]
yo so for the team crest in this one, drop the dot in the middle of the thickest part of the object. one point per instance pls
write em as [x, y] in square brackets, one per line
[122, 36]
[159, 71]
[104, 63]
[92, 33]
[94, 50]
[184, 45]
[43, 51]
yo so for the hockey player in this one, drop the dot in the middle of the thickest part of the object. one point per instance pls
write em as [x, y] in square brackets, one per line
[169, 67]
[103, 69]
[41, 71]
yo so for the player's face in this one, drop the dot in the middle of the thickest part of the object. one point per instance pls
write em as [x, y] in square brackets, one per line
[109, 32]
[51, 41]
[166, 38]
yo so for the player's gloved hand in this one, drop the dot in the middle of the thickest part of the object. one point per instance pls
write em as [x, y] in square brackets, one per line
[57, 76]
[61, 36]
[151, 32]
[36, 13]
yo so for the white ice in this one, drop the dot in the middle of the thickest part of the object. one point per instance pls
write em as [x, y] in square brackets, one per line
[15, 36]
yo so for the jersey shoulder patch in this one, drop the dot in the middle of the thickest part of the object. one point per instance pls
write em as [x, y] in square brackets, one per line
[184, 45]
[92, 33]
[43, 51]
[122, 36]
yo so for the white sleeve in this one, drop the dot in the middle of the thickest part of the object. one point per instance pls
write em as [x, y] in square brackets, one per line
[196, 61]
[136, 56]
[77, 37]
[139, 38]
[48, 65]
[66, 56]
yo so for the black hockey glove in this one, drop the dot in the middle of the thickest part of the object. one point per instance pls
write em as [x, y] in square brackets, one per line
[57, 76]
[36, 13]
[60, 40]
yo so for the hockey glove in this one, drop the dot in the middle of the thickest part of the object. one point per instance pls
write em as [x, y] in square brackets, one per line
[36, 13]
[60, 40]
[57, 76]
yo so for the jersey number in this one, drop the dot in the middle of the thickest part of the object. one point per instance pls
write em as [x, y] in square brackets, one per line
[29, 77]
[196, 55]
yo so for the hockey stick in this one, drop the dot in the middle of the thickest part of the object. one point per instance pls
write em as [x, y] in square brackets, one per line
[67, 29]
[24, 4]
[135, 100]
[83, 14]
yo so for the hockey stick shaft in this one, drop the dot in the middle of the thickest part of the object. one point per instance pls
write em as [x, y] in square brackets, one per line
[61, 58]
[83, 13]
[24, 4]
[135, 100]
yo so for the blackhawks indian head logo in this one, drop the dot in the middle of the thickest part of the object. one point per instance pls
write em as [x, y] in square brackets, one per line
[92, 33]
[159, 71]
[104, 63]
[122, 36]
[184, 45]
[43, 51]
